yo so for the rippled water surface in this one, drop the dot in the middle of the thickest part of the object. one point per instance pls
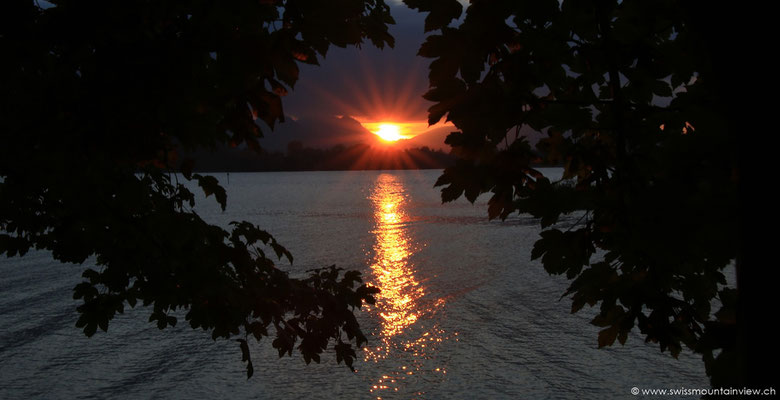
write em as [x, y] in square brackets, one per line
[463, 312]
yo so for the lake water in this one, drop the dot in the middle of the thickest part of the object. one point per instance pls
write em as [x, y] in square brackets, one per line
[463, 311]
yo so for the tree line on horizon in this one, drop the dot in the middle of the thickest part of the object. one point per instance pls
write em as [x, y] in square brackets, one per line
[299, 157]
[341, 157]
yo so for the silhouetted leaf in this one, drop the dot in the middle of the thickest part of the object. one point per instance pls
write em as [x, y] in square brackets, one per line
[281, 251]
[210, 185]
[277, 88]
[186, 168]
[441, 12]
[90, 328]
[92, 275]
[662, 88]
[286, 69]
[244, 349]
[607, 336]
[622, 337]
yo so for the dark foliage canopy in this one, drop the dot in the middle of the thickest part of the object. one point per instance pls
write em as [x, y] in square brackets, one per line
[96, 98]
[629, 94]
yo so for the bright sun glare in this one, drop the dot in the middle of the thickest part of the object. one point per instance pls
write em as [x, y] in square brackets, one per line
[389, 132]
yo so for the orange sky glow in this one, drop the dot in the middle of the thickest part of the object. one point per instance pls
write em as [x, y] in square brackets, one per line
[393, 96]
[377, 92]
[393, 130]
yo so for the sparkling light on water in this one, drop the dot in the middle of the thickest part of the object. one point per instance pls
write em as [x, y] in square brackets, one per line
[402, 302]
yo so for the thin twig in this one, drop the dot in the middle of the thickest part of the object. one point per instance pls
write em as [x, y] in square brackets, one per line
[578, 222]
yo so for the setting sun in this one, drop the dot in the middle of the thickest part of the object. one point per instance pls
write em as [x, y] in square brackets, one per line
[389, 132]
[391, 129]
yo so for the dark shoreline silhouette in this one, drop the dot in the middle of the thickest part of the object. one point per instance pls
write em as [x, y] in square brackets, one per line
[301, 158]
[355, 157]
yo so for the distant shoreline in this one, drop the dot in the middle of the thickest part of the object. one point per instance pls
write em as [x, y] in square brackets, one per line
[204, 171]
[357, 157]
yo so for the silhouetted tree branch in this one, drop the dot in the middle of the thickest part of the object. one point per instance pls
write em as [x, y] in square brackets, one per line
[98, 98]
[657, 179]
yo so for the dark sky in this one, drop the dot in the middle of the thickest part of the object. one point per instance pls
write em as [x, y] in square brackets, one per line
[366, 84]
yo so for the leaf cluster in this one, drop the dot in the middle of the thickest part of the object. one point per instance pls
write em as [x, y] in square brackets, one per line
[97, 100]
[625, 97]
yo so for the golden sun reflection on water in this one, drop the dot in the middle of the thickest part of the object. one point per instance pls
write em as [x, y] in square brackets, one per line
[394, 276]
[407, 333]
